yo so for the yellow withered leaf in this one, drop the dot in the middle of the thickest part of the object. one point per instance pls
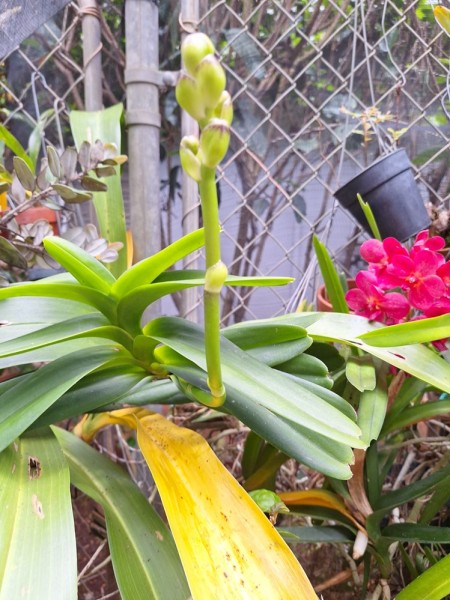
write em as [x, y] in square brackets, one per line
[228, 548]
[442, 16]
[319, 498]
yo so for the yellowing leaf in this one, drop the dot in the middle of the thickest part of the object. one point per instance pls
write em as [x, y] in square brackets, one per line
[319, 498]
[228, 548]
[442, 16]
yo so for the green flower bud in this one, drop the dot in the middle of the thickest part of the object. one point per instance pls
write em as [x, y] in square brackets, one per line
[214, 142]
[195, 47]
[189, 98]
[188, 157]
[224, 108]
[211, 81]
[215, 277]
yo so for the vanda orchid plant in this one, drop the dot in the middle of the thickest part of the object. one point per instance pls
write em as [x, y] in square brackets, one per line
[85, 328]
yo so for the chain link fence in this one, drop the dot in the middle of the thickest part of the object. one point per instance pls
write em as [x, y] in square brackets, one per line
[305, 76]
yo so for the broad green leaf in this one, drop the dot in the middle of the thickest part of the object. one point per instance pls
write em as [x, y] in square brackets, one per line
[360, 371]
[305, 446]
[411, 492]
[145, 560]
[316, 535]
[330, 277]
[434, 584]
[22, 404]
[307, 367]
[415, 414]
[255, 380]
[417, 360]
[52, 334]
[421, 534]
[145, 271]
[252, 334]
[85, 268]
[372, 410]
[413, 332]
[233, 280]
[55, 351]
[65, 290]
[15, 146]
[37, 539]
[38, 311]
[131, 306]
[107, 387]
[105, 125]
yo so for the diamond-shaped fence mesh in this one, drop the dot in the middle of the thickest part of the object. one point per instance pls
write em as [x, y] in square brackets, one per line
[305, 76]
[299, 73]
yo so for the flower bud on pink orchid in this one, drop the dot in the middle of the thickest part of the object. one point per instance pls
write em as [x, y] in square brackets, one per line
[211, 80]
[224, 108]
[189, 98]
[188, 156]
[193, 49]
[214, 142]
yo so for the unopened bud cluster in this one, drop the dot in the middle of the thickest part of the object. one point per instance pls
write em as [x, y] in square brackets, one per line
[200, 91]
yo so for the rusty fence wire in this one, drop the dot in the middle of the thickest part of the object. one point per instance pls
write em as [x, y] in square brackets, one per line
[308, 78]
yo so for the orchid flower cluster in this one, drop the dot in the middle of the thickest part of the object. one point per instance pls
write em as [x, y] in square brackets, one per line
[402, 284]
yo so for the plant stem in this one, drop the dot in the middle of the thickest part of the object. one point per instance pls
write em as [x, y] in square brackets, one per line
[211, 295]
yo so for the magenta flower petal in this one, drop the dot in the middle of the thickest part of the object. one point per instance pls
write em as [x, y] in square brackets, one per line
[395, 306]
[373, 251]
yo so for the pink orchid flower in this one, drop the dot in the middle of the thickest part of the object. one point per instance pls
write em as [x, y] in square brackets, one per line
[368, 300]
[418, 277]
[423, 241]
[379, 256]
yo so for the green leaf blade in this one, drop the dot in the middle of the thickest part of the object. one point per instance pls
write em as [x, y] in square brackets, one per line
[37, 538]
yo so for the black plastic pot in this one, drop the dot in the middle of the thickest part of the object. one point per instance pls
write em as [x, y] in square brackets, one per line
[388, 186]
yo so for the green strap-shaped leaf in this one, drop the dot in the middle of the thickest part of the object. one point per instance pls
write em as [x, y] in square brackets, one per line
[37, 540]
[415, 359]
[85, 268]
[316, 535]
[147, 270]
[68, 291]
[434, 584]
[131, 307]
[413, 332]
[233, 280]
[253, 334]
[101, 388]
[52, 334]
[421, 534]
[372, 410]
[105, 125]
[330, 277]
[37, 312]
[412, 415]
[22, 404]
[144, 556]
[255, 380]
[55, 351]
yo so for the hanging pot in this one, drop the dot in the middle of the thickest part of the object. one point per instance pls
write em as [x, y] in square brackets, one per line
[390, 189]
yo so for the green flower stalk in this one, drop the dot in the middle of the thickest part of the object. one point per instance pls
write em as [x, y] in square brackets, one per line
[201, 92]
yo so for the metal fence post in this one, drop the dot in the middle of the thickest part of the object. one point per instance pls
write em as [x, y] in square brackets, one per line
[143, 123]
[92, 56]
